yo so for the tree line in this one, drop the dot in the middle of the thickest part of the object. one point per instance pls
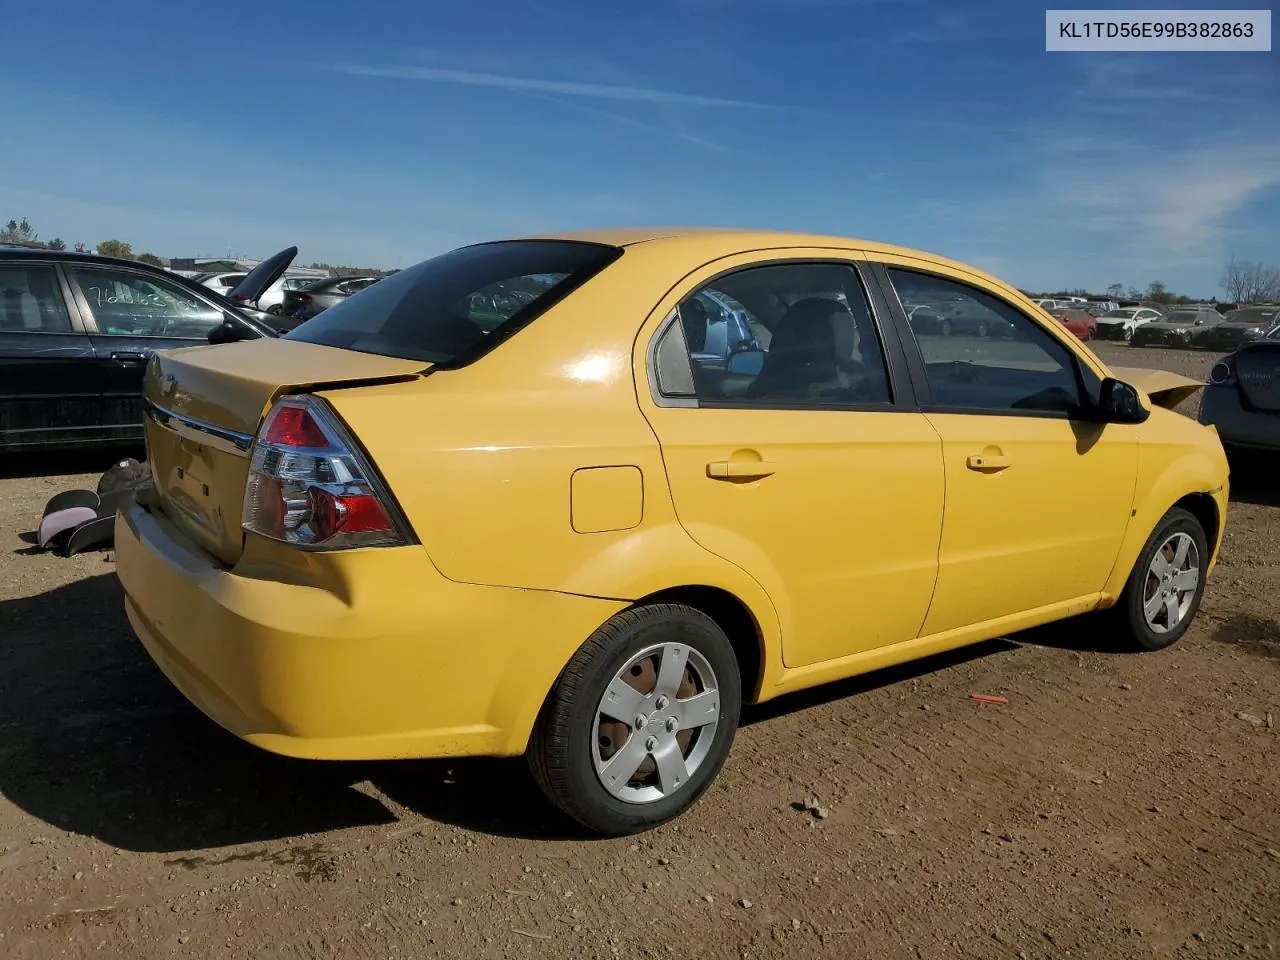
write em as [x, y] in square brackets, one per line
[21, 233]
[1244, 282]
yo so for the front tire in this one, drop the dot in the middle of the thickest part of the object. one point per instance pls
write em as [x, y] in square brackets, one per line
[640, 721]
[1163, 593]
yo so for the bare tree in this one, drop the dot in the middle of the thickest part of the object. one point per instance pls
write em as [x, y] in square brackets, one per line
[1247, 281]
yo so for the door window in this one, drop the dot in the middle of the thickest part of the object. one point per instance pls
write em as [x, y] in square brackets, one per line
[789, 334]
[137, 305]
[1017, 366]
[31, 300]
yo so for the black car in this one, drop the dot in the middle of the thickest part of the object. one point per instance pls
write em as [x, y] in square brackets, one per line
[76, 332]
[1242, 398]
[305, 302]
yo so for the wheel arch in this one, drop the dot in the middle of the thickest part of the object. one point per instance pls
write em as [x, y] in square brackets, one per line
[731, 615]
[1193, 482]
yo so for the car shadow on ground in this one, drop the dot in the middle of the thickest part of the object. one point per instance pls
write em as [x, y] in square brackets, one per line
[1254, 478]
[95, 740]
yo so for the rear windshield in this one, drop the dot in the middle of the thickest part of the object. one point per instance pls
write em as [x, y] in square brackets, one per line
[455, 308]
[1257, 315]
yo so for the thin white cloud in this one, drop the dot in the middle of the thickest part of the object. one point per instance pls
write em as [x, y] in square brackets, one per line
[564, 88]
[632, 122]
[1174, 206]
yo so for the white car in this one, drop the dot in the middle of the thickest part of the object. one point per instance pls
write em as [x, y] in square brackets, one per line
[272, 301]
[221, 282]
[1120, 324]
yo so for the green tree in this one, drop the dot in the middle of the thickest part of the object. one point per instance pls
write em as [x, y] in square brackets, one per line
[20, 230]
[56, 244]
[115, 248]
[1158, 292]
[1115, 291]
[150, 258]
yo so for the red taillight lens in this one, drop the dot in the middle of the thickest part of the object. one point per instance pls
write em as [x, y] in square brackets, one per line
[291, 426]
[310, 486]
[333, 513]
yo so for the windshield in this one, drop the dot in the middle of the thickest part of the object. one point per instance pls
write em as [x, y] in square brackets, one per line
[1182, 316]
[1121, 314]
[455, 308]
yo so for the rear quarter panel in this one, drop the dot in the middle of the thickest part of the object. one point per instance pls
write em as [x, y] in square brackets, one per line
[482, 459]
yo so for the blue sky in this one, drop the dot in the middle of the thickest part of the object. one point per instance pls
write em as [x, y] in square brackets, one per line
[381, 134]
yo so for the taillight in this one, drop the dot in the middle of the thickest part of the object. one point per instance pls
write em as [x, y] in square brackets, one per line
[1223, 373]
[310, 486]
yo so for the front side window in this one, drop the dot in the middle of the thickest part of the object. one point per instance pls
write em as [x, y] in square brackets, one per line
[1022, 369]
[454, 308]
[128, 304]
[787, 334]
[31, 300]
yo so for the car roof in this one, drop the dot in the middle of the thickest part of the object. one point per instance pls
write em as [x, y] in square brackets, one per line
[715, 242]
[23, 253]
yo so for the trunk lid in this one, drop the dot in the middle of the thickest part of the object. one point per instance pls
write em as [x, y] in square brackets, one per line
[257, 280]
[204, 405]
[1164, 388]
[1258, 372]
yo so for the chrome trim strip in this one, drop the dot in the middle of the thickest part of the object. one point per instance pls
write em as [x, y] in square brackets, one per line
[228, 441]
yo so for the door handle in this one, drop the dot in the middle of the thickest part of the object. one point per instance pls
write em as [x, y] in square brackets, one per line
[988, 461]
[129, 359]
[740, 469]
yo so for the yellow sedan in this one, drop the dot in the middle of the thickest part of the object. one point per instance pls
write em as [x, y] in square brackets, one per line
[580, 497]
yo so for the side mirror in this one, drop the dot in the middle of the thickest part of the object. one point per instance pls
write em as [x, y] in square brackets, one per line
[228, 331]
[1119, 402]
[746, 363]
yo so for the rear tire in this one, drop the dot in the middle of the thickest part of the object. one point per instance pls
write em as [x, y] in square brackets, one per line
[675, 736]
[1159, 601]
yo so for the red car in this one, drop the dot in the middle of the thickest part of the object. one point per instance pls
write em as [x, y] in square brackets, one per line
[1080, 322]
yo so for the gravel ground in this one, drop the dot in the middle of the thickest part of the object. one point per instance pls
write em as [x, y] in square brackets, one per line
[1117, 807]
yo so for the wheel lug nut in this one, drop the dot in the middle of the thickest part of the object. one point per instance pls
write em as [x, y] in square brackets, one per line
[671, 724]
[651, 744]
[641, 720]
[662, 703]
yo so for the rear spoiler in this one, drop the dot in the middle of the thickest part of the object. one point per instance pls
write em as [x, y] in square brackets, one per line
[1164, 388]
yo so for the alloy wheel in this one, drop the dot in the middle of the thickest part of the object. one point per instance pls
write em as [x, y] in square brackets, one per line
[1172, 579]
[655, 723]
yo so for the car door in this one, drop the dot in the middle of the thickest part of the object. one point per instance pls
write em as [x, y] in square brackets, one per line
[131, 314]
[47, 390]
[1017, 536]
[806, 464]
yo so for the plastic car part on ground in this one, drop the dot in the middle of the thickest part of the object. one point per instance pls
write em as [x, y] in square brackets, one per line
[78, 520]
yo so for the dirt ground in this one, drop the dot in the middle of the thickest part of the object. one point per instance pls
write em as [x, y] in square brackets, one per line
[1117, 807]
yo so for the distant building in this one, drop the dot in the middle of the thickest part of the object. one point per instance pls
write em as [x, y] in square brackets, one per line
[190, 266]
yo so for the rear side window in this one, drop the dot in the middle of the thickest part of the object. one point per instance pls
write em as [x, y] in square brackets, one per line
[455, 308]
[31, 300]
